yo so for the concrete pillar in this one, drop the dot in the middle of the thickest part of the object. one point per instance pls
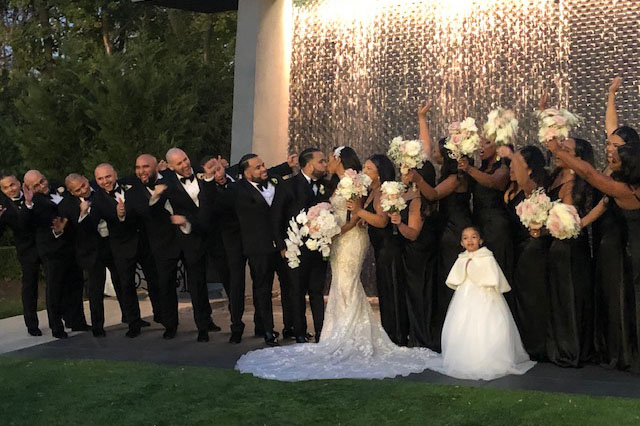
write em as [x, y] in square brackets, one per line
[261, 80]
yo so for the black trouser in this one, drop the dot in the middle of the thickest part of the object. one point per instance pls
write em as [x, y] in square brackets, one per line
[30, 276]
[263, 268]
[147, 262]
[64, 292]
[127, 294]
[236, 266]
[309, 278]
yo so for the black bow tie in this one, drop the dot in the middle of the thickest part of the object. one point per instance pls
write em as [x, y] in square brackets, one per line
[185, 179]
[150, 185]
[263, 185]
[113, 192]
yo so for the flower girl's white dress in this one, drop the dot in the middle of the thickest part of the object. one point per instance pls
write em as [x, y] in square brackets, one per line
[480, 340]
[353, 342]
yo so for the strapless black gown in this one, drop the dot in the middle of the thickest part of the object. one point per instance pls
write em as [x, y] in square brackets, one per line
[454, 215]
[570, 338]
[529, 286]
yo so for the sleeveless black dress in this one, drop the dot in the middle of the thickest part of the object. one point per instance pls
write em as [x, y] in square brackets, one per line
[529, 286]
[454, 215]
[569, 341]
[491, 216]
[613, 310]
[390, 281]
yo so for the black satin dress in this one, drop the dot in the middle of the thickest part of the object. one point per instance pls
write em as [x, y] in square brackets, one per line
[454, 216]
[613, 294]
[491, 216]
[529, 286]
[390, 281]
[570, 336]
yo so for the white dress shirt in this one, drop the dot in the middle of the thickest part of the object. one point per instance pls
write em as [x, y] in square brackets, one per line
[268, 193]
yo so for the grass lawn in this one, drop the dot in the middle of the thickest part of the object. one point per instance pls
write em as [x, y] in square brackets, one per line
[11, 300]
[86, 392]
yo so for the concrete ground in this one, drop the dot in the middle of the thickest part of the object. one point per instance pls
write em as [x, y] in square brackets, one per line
[184, 350]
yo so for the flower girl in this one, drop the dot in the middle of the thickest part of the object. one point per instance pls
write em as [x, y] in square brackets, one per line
[480, 340]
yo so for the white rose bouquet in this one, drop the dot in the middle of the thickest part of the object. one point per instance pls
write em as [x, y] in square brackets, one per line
[501, 126]
[352, 186]
[555, 123]
[563, 221]
[463, 139]
[313, 229]
[407, 154]
[392, 200]
[534, 211]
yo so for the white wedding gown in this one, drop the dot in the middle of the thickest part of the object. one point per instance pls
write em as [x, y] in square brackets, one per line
[353, 342]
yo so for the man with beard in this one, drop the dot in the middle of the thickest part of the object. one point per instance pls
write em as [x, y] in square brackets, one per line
[56, 249]
[304, 190]
[13, 214]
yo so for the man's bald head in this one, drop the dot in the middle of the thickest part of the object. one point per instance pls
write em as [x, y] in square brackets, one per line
[36, 181]
[78, 185]
[106, 176]
[147, 168]
[179, 162]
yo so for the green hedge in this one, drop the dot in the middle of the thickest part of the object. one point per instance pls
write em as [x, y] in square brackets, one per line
[9, 265]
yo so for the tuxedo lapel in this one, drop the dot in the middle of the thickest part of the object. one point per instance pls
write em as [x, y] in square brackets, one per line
[254, 193]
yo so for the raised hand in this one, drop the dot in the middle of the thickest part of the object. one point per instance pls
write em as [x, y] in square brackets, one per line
[84, 207]
[553, 145]
[159, 190]
[58, 224]
[210, 168]
[615, 85]
[28, 194]
[292, 160]
[504, 152]
[162, 165]
[544, 100]
[424, 109]
[223, 162]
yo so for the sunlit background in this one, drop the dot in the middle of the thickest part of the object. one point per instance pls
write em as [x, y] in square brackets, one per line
[359, 68]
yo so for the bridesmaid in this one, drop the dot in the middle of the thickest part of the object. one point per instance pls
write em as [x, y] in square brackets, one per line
[570, 337]
[389, 279]
[623, 195]
[529, 287]
[488, 184]
[454, 213]
[418, 240]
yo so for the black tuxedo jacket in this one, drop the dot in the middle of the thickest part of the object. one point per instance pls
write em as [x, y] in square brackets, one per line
[16, 218]
[123, 235]
[160, 232]
[40, 217]
[295, 195]
[87, 238]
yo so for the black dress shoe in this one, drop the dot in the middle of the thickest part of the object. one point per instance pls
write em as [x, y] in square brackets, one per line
[142, 323]
[99, 332]
[213, 327]
[169, 333]
[302, 339]
[34, 331]
[134, 331]
[203, 336]
[271, 339]
[81, 327]
[287, 333]
[60, 334]
[235, 338]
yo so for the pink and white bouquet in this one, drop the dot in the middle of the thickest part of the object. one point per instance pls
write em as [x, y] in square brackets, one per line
[313, 229]
[555, 123]
[407, 154]
[534, 211]
[463, 139]
[563, 221]
[501, 126]
[391, 199]
[353, 185]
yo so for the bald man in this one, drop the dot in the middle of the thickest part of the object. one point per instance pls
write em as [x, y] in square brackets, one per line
[190, 198]
[55, 246]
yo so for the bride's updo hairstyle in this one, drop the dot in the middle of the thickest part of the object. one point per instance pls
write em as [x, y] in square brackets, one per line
[349, 160]
[386, 169]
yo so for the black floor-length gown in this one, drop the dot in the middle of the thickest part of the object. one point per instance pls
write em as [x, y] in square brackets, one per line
[491, 216]
[613, 310]
[570, 337]
[529, 286]
[454, 216]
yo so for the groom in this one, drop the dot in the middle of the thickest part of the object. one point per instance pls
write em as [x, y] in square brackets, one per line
[304, 190]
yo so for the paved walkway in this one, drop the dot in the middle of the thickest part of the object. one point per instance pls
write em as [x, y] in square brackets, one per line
[184, 350]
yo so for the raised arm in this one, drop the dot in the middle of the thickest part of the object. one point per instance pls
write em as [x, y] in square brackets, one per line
[425, 136]
[611, 118]
[444, 188]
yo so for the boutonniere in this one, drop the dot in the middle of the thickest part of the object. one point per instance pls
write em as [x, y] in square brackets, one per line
[127, 187]
[321, 189]
[60, 190]
[200, 176]
[274, 181]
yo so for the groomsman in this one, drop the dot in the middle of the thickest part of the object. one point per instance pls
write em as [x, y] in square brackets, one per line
[304, 190]
[91, 246]
[56, 249]
[13, 215]
[190, 200]
[111, 204]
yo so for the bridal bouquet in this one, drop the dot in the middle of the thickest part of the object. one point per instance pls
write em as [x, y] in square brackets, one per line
[563, 221]
[534, 211]
[313, 229]
[463, 139]
[352, 186]
[555, 123]
[501, 126]
[391, 199]
[407, 154]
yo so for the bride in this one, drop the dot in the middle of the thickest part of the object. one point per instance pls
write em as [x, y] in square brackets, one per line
[353, 343]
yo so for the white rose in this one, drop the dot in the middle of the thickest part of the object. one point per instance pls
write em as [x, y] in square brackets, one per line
[413, 148]
[311, 244]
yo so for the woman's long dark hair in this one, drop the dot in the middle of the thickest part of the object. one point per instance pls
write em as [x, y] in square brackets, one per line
[349, 160]
[628, 135]
[536, 163]
[386, 169]
[449, 165]
[629, 165]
